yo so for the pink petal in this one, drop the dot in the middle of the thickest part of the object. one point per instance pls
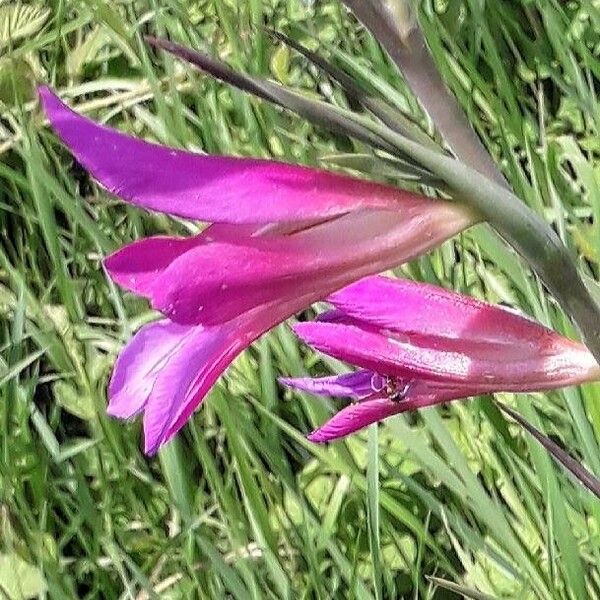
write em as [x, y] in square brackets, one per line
[183, 384]
[201, 286]
[356, 416]
[185, 379]
[210, 188]
[406, 306]
[139, 364]
[167, 370]
[137, 266]
[486, 366]
[358, 384]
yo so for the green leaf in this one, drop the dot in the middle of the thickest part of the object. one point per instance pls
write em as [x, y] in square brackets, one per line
[319, 112]
[18, 20]
[572, 465]
[18, 579]
[280, 63]
[373, 509]
[73, 401]
[393, 118]
[16, 81]
[459, 589]
[408, 49]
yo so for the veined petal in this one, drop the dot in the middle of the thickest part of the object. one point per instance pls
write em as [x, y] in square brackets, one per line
[484, 366]
[201, 286]
[185, 379]
[211, 188]
[357, 385]
[139, 364]
[356, 416]
[167, 369]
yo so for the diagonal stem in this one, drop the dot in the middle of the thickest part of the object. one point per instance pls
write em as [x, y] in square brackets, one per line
[558, 454]
[410, 53]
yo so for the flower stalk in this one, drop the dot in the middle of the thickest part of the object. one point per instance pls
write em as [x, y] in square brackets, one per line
[395, 25]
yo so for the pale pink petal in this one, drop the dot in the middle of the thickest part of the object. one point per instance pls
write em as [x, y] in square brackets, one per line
[185, 379]
[139, 364]
[358, 384]
[210, 188]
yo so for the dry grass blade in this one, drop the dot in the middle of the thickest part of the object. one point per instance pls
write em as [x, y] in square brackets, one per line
[558, 454]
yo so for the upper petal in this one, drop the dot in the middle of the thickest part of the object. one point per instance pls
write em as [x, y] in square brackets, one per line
[406, 306]
[210, 188]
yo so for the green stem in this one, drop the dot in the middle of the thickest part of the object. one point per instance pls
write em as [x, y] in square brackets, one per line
[523, 229]
[482, 187]
[405, 44]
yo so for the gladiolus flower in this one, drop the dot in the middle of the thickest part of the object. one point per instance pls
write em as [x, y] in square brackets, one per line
[283, 236]
[418, 345]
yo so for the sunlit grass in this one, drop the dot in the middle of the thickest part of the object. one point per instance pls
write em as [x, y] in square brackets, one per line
[241, 505]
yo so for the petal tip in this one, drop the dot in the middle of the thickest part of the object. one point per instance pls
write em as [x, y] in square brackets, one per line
[304, 329]
[50, 102]
[318, 437]
[120, 407]
[152, 445]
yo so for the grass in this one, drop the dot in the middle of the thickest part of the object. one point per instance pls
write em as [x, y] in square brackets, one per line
[451, 501]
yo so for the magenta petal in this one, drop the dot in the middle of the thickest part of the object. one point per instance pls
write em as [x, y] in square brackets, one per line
[358, 384]
[487, 367]
[167, 369]
[364, 348]
[137, 266]
[409, 307]
[210, 188]
[139, 364]
[202, 356]
[355, 417]
[183, 382]
[359, 415]
[202, 287]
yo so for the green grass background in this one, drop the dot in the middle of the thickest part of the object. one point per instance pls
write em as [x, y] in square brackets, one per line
[240, 505]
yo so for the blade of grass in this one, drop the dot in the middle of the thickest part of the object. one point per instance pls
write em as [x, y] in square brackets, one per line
[573, 466]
